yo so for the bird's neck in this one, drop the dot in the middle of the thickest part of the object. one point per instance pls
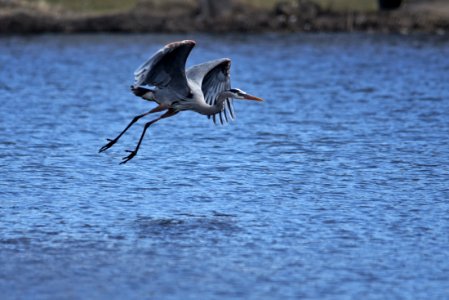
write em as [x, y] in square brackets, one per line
[207, 109]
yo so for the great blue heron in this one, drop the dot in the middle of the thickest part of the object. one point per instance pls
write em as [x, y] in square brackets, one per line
[204, 88]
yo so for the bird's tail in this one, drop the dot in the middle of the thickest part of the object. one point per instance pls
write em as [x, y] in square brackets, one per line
[143, 92]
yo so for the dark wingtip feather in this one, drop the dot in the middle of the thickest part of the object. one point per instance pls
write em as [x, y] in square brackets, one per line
[226, 116]
[181, 43]
[230, 109]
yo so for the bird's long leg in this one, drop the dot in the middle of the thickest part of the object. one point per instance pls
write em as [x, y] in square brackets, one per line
[169, 113]
[134, 120]
[113, 141]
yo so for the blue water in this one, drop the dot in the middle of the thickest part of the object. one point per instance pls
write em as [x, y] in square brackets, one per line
[336, 187]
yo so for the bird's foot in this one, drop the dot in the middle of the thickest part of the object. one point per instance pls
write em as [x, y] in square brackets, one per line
[129, 157]
[108, 145]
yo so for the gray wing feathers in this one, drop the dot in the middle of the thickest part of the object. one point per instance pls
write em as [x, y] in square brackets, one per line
[215, 79]
[166, 68]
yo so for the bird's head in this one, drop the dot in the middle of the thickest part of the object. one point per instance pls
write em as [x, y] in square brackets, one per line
[239, 94]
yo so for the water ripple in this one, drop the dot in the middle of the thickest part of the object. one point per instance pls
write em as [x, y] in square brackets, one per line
[334, 187]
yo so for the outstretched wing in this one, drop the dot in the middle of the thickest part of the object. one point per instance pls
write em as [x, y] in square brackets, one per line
[214, 78]
[166, 68]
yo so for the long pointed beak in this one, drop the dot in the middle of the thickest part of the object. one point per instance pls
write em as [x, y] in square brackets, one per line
[251, 97]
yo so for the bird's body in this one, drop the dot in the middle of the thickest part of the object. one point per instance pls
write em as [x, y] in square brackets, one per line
[204, 88]
[182, 90]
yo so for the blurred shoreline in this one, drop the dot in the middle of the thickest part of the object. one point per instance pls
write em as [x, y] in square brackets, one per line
[21, 17]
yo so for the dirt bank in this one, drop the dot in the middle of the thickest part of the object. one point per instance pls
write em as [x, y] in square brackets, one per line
[18, 17]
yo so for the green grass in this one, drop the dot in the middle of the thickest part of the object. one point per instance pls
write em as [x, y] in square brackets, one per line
[98, 6]
[90, 5]
[348, 5]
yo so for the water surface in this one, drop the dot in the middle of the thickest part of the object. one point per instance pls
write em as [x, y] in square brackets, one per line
[336, 187]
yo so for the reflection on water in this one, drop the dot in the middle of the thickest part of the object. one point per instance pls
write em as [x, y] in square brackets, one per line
[335, 187]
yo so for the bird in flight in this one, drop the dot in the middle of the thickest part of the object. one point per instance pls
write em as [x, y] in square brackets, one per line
[204, 88]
